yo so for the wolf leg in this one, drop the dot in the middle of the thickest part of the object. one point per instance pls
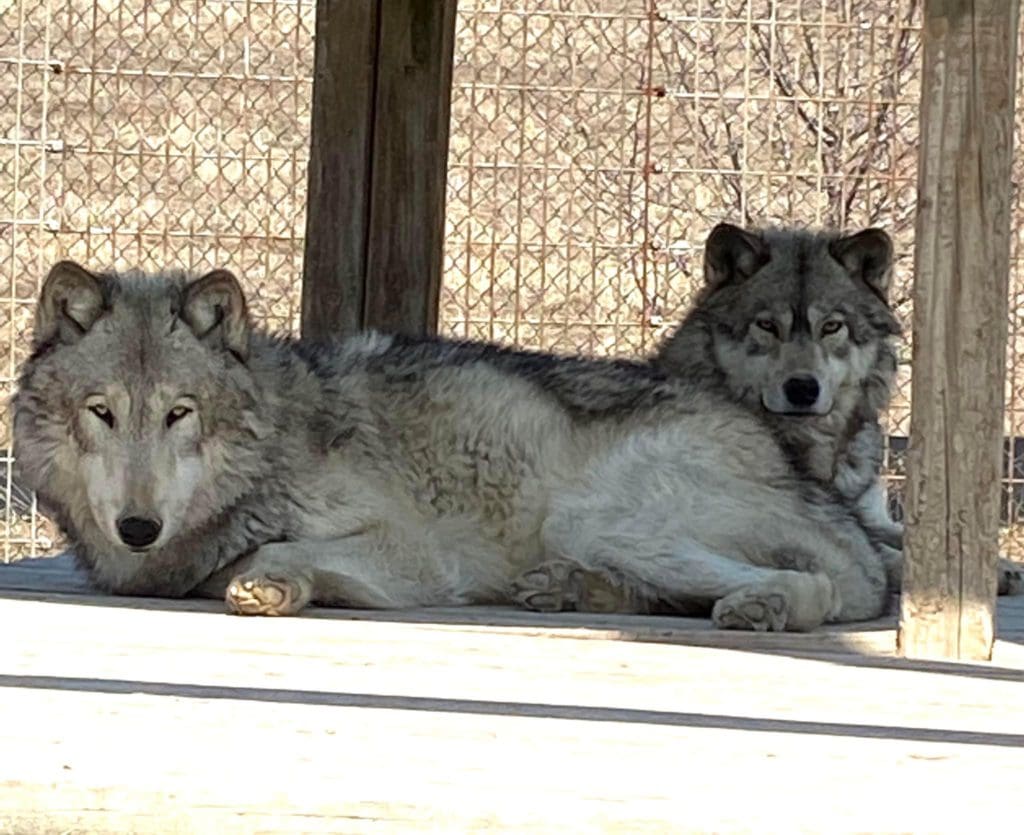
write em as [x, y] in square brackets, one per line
[281, 578]
[887, 534]
[745, 596]
[1009, 574]
[892, 559]
[566, 586]
[872, 510]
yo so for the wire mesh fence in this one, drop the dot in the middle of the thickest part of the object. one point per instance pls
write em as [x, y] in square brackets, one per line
[594, 143]
[148, 133]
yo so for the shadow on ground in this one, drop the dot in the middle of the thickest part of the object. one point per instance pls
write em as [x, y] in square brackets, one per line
[869, 645]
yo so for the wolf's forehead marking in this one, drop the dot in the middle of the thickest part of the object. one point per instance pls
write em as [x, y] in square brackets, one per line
[806, 267]
[803, 259]
[802, 267]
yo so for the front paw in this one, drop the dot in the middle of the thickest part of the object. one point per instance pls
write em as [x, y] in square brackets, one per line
[261, 593]
[1011, 576]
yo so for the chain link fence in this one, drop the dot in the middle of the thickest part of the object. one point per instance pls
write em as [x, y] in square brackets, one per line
[148, 133]
[594, 144]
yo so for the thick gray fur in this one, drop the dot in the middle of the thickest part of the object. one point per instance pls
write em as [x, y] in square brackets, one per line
[387, 472]
[779, 304]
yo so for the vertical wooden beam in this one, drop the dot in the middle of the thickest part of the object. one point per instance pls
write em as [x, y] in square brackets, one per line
[378, 165]
[410, 165]
[960, 328]
[341, 138]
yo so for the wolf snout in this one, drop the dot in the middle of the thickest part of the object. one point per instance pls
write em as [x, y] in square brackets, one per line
[139, 531]
[802, 391]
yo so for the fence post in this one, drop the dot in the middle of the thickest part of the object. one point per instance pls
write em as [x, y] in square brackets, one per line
[960, 328]
[378, 164]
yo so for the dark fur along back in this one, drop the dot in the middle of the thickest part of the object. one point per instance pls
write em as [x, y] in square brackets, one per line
[586, 388]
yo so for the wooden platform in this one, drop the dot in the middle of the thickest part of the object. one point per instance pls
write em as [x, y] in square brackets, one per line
[122, 714]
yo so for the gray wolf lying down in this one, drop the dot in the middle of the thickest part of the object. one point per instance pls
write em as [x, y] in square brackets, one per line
[187, 453]
[796, 326]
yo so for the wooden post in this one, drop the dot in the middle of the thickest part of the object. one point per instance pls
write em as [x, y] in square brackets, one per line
[960, 327]
[378, 165]
[410, 164]
[333, 295]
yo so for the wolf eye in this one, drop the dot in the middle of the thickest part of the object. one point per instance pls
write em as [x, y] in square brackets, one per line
[103, 413]
[768, 326]
[831, 327]
[176, 414]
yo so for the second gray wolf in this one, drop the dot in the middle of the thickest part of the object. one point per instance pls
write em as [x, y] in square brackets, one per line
[796, 326]
[189, 453]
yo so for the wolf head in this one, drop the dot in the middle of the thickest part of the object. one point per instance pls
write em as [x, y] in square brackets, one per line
[795, 323]
[136, 393]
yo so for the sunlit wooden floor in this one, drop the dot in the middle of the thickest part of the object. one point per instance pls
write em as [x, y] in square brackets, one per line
[130, 715]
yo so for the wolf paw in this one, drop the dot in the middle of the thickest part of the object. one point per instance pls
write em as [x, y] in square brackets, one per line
[1011, 577]
[751, 609]
[264, 594]
[564, 586]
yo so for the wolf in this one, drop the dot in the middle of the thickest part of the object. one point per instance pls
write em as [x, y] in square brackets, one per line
[187, 452]
[796, 326]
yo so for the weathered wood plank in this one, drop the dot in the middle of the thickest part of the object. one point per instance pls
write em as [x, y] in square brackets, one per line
[57, 575]
[340, 166]
[410, 164]
[378, 163]
[239, 767]
[57, 580]
[159, 721]
[960, 325]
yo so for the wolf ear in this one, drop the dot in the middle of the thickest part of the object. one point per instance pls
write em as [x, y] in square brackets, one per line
[214, 308]
[867, 256]
[69, 304]
[732, 254]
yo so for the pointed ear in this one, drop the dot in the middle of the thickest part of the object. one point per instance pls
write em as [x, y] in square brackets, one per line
[732, 254]
[69, 304]
[867, 256]
[214, 308]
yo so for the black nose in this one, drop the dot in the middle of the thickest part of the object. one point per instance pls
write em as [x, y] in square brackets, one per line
[802, 392]
[138, 531]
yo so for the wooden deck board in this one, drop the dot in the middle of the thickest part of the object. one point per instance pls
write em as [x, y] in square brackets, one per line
[161, 716]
